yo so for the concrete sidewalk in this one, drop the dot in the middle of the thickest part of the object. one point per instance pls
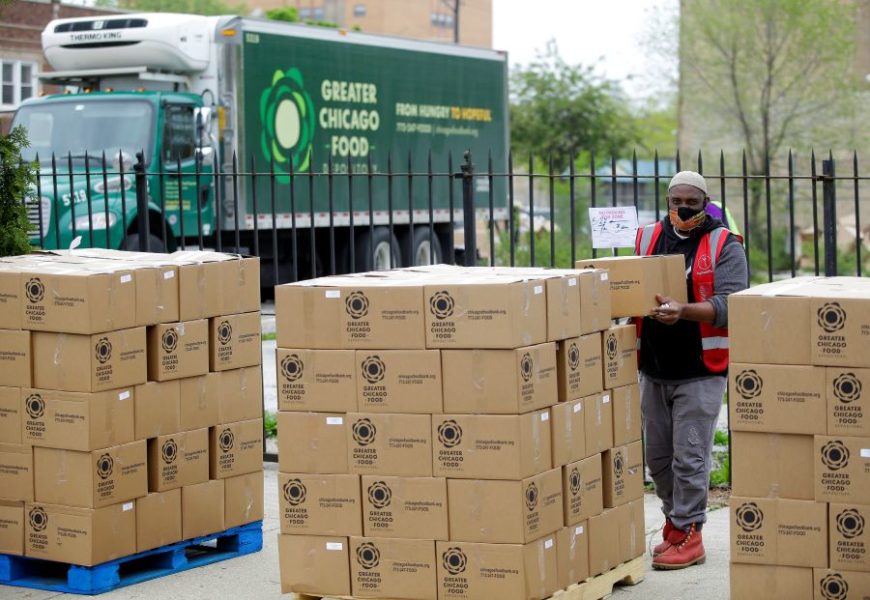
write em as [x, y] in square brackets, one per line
[255, 577]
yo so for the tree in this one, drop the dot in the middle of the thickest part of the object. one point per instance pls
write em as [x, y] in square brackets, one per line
[284, 13]
[567, 109]
[197, 7]
[17, 181]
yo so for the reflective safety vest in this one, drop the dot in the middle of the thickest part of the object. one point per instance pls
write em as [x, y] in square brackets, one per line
[714, 340]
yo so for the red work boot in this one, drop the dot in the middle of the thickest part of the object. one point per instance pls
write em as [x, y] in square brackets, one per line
[659, 548]
[687, 549]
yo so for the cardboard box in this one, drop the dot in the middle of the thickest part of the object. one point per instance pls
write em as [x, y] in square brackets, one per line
[777, 398]
[202, 508]
[82, 363]
[178, 459]
[491, 446]
[572, 548]
[500, 381]
[568, 432]
[485, 312]
[604, 553]
[405, 507]
[236, 448]
[158, 520]
[316, 380]
[334, 313]
[848, 408]
[90, 479]
[319, 504]
[212, 283]
[563, 296]
[240, 395]
[200, 401]
[842, 469]
[243, 499]
[527, 572]
[599, 422]
[771, 531]
[71, 299]
[619, 353]
[579, 367]
[831, 583]
[772, 465]
[389, 444]
[505, 512]
[392, 568]
[178, 350]
[312, 443]
[848, 546]
[10, 415]
[582, 489]
[622, 471]
[156, 293]
[12, 291]
[15, 358]
[157, 409]
[78, 420]
[314, 565]
[595, 300]
[79, 536]
[771, 583]
[635, 281]
[632, 540]
[16, 472]
[839, 326]
[234, 341]
[12, 528]
[627, 418]
[399, 381]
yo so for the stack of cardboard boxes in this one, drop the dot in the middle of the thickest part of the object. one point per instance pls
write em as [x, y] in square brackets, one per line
[130, 406]
[455, 433]
[799, 376]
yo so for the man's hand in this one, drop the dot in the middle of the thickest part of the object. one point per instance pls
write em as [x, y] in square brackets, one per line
[669, 311]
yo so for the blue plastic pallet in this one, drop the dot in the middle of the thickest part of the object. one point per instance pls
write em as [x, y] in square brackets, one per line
[40, 574]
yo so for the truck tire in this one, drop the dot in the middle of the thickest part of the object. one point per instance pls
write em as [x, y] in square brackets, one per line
[423, 252]
[131, 243]
[378, 252]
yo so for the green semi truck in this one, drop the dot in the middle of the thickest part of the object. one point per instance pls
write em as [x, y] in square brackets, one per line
[240, 119]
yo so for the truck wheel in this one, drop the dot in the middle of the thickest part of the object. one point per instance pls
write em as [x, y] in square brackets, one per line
[424, 252]
[377, 252]
[131, 243]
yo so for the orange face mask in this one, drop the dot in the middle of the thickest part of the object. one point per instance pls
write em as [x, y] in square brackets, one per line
[686, 219]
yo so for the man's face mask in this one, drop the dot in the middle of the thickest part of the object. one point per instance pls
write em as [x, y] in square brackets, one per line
[686, 219]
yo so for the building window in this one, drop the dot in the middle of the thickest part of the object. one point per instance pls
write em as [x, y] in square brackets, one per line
[319, 13]
[304, 13]
[17, 82]
[359, 10]
[440, 19]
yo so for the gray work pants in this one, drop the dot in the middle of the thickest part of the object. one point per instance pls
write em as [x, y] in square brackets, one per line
[679, 421]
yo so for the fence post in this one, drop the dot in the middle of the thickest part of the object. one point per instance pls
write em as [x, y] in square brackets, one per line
[468, 216]
[829, 206]
[142, 202]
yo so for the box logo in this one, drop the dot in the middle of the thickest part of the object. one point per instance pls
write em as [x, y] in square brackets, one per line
[35, 290]
[364, 432]
[573, 357]
[831, 317]
[449, 433]
[292, 367]
[357, 305]
[611, 346]
[575, 481]
[169, 340]
[227, 440]
[295, 492]
[38, 519]
[834, 587]
[527, 365]
[618, 464]
[225, 333]
[103, 350]
[169, 451]
[105, 465]
[373, 369]
[850, 523]
[368, 556]
[454, 560]
[380, 494]
[749, 384]
[749, 517]
[847, 388]
[835, 455]
[441, 305]
[35, 406]
[531, 496]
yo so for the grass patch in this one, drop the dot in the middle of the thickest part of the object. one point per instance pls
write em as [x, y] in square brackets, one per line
[269, 337]
[721, 476]
[270, 422]
[720, 438]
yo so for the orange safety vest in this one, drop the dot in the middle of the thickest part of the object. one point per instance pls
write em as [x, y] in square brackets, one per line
[714, 340]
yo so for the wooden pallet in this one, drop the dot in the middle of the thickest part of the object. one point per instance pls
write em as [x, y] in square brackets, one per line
[594, 588]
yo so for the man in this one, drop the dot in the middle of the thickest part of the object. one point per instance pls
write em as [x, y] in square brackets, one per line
[683, 363]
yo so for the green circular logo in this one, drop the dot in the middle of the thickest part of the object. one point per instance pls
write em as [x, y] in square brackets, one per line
[287, 115]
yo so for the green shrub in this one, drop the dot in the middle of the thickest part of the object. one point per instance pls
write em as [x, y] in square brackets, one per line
[17, 181]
